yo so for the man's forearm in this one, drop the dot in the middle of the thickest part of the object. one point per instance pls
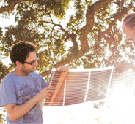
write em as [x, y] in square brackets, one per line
[20, 110]
[124, 67]
[130, 66]
[16, 111]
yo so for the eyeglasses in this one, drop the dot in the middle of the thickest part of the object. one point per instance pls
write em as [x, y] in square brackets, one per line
[31, 63]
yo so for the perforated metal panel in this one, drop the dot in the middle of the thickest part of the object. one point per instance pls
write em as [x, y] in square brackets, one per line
[79, 86]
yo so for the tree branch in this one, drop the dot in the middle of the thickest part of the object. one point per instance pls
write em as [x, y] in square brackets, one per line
[11, 6]
[90, 22]
[66, 61]
[83, 35]
[116, 16]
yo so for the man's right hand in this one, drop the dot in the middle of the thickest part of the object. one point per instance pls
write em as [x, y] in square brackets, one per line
[15, 111]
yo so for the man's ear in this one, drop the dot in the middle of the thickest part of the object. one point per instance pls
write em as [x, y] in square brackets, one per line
[18, 63]
[134, 28]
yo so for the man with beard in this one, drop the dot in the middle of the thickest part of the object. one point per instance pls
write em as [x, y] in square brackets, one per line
[128, 27]
[23, 90]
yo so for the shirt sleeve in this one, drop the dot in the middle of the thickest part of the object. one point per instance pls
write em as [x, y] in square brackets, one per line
[0, 96]
[44, 84]
[7, 93]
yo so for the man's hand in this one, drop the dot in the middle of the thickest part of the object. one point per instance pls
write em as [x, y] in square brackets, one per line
[64, 68]
[121, 67]
[15, 111]
[44, 93]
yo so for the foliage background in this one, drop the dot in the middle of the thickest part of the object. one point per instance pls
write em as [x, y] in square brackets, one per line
[91, 36]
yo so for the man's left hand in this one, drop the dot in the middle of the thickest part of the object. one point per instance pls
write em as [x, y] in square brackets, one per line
[64, 68]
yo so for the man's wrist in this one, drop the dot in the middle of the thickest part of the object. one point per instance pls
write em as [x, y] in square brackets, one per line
[35, 99]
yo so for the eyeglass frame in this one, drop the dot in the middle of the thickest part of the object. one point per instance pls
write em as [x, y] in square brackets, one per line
[31, 63]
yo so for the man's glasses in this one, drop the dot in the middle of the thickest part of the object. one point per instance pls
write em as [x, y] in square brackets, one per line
[31, 63]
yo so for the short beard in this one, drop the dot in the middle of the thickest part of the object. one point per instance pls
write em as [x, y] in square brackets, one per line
[25, 72]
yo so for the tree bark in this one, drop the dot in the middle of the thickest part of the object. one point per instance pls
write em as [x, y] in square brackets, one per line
[83, 35]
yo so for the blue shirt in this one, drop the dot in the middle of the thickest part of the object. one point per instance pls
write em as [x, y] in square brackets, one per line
[19, 89]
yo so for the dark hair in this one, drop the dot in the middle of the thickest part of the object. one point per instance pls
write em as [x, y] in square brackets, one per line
[20, 51]
[129, 20]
